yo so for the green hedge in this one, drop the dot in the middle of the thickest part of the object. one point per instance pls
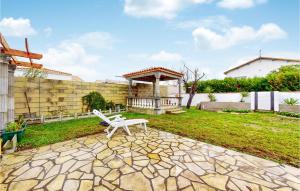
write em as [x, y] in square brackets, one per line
[287, 78]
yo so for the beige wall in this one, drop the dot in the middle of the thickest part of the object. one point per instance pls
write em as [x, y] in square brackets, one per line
[146, 90]
[50, 97]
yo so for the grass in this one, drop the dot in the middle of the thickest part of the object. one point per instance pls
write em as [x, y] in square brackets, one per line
[44, 134]
[265, 135]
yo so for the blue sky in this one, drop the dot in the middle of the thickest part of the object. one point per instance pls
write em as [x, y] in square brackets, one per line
[103, 39]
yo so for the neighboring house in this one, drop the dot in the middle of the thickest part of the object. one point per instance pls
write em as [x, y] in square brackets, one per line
[259, 67]
[50, 74]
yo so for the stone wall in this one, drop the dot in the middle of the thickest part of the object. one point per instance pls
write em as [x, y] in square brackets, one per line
[219, 106]
[50, 97]
[289, 108]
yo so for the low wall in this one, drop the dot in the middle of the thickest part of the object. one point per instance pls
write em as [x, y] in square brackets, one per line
[289, 108]
[49, 97]
[219, 106]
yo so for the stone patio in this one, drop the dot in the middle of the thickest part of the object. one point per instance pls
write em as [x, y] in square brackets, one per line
[153, 161]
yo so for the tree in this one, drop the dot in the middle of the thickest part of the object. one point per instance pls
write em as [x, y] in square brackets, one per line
[190, 80]
[94, 100]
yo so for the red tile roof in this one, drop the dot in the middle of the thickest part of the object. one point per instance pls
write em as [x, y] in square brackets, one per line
[151, 70]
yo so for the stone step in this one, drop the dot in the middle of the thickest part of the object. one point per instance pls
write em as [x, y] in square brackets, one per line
[175, 111]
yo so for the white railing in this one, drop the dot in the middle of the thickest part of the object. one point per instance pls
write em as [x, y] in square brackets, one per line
[152, 103]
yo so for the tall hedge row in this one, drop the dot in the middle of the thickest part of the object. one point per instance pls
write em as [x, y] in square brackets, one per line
[287, 78]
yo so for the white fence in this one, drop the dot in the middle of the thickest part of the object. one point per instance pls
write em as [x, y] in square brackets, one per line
[258, 100]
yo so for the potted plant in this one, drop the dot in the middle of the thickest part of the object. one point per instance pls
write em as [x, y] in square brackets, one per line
[14, 128]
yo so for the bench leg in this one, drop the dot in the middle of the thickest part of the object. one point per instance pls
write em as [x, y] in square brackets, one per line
[145, 127]
[127, 130]
[109, 134]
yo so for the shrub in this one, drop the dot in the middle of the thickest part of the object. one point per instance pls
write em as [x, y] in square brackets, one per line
[12, 126]
[291, 101]
[237, 110]
[212, 97]
[289, 114]
[15, 126]
[94, 100]
[244, 95]
[287, 78]
[110, 105]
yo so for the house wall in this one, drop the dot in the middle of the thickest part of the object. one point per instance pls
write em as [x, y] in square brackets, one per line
[259, 68]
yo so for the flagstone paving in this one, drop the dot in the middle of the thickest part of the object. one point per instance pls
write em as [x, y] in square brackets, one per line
[144, 161]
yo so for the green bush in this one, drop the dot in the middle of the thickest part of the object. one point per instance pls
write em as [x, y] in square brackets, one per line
[289, 114]
[287, 78]
[12, 126]
[94, 100]
[237, 110]
[291, 101]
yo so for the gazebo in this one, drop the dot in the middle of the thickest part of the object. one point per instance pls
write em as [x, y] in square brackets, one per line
[155, 104]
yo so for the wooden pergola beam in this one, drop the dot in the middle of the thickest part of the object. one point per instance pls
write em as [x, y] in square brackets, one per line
[26, 64]
[20, 53]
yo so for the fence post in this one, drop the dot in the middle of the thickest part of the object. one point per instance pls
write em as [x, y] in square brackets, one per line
[252, 100]
[89, 114]
[276, 100]
[42, 119]
[60, 117]
[109, 110]
[75, 116]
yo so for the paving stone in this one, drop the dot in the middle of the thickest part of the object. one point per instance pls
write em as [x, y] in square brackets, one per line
[23, 185]
[101, 171]
[56, 183]
[171, 184]
[112, 175]
[30, 174]
[158, 184]
[183, 182]
[100, 188]
[115, 163]
[199, 186]
[75, 175]
[135, 181]
[86, 185]
[71, 185]
[215, 180]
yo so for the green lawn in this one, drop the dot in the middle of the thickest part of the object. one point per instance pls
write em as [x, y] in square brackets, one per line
[44, 134]
[262, 134]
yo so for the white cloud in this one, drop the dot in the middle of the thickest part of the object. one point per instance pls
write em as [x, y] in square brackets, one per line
[215, 22]
[71, 56]
[164, 56]
[239, 4]
[48, 31]
[16, 27]
[157, 8]
[207, 38]
[99, 40]
[161, 56]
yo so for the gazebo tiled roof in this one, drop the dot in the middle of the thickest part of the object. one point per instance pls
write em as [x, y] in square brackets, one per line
[147, 74]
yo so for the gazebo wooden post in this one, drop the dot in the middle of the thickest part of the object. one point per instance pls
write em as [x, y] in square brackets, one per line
[6, 91]
[179, 92]
[130, 95]
[157, 107]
